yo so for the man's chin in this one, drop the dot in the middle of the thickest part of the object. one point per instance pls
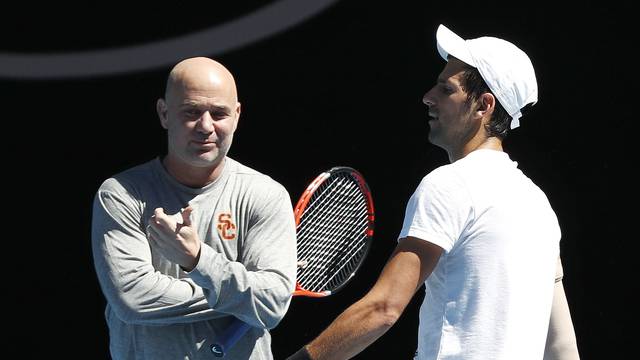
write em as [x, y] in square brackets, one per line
[208, 159]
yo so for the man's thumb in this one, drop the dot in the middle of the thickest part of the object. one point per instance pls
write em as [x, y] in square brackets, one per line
[186, 215]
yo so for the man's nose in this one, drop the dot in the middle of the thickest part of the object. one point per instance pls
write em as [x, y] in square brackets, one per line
[426, 99]
[205, 124]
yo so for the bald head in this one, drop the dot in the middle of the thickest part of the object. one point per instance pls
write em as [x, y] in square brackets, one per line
[200, 74]
[200, 112]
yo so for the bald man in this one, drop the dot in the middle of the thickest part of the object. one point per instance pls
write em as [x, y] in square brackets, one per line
[189, 240]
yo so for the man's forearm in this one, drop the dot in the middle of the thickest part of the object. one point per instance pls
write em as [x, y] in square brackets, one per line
[355, 329]
[368, 319]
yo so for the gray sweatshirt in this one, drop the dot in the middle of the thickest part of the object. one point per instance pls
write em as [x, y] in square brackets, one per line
[246, 268]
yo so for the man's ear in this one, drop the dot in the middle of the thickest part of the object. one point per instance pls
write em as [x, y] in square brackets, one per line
[161, 109]
[486, 104]
[238, 111]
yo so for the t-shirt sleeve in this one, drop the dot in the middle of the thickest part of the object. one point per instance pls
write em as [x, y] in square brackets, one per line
[438, 210]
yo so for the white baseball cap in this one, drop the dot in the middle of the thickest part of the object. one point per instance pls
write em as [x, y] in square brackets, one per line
[505, 68]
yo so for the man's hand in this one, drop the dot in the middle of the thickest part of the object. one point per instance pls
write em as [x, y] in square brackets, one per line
[178, 242]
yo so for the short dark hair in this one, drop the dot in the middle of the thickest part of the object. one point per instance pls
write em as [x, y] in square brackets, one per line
[474, 85]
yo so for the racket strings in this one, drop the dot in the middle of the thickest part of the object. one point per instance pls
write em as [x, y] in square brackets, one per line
[331, 210]
[341, 207]
[332, 234]
[317, 236]
[329, 275]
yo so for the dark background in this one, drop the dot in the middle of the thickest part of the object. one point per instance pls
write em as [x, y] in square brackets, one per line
[342, 88]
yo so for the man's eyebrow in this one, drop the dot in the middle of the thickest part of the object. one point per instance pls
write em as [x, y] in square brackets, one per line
[196, 104]
[221, 108]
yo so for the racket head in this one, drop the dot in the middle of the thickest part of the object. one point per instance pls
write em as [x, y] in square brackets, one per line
[334, 226]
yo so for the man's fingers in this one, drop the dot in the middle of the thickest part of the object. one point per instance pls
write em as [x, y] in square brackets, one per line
[158, 212]
[160, 239]
[186, 215]
[163, 220]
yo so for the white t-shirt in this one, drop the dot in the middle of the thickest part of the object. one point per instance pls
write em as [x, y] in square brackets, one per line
[490, 295]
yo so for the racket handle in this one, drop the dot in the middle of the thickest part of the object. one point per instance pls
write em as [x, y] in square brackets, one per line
[230, 336]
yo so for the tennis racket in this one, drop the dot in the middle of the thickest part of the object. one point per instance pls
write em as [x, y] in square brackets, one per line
[334, 227]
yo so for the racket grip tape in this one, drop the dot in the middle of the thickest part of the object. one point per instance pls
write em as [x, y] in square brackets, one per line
[231, 335]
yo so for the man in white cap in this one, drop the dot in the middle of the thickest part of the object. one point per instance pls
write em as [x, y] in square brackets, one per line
[478, 233]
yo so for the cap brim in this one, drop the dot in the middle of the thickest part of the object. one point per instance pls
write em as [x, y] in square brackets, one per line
[451, 44]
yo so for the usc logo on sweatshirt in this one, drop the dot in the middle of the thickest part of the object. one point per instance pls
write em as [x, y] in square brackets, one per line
[226, 227]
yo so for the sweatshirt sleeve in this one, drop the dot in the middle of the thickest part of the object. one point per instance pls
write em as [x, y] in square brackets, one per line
[257, 288]
[123, 262]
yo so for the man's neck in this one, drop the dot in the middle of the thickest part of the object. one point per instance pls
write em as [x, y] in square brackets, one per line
[490, 143]
[193, 176]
